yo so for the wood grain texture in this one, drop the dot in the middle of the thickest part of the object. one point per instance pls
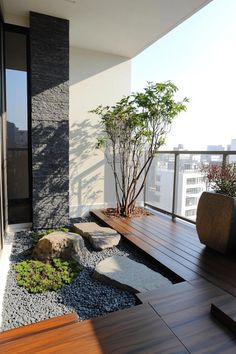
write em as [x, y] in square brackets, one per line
[137, 330]
[38, 327]
[173, 319]
[225, 313]
[189, 317]
[176, 246]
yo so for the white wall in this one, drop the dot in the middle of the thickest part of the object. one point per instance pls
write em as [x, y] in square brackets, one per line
[95, 78]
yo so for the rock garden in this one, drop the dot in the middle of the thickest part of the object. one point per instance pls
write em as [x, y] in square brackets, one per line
[86, 268]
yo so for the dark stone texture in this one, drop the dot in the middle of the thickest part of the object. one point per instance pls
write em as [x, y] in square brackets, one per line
[49, 46]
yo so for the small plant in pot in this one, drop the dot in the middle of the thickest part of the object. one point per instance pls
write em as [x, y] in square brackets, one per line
[138, 123]
[216, 213]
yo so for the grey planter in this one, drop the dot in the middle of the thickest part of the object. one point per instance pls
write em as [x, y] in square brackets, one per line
[216, 222]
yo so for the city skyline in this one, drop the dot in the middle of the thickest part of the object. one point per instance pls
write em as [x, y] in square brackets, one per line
[217, 147]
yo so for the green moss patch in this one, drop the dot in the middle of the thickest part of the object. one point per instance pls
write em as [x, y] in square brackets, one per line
[37, 277]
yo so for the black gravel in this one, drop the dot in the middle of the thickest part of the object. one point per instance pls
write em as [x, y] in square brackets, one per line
[84, 295]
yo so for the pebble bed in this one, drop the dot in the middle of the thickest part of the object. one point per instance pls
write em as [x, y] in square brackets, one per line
[87, 297]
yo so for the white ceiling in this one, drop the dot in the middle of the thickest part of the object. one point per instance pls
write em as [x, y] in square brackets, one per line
[122, 27]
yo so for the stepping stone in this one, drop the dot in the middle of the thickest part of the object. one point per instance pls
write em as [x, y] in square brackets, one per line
[99, 237]
[86, 228]
[129, 275]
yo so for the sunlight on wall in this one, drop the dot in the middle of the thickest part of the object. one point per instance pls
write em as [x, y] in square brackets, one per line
[95, 78]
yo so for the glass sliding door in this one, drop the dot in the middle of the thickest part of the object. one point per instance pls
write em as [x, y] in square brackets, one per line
[3, 199]
[18, 180]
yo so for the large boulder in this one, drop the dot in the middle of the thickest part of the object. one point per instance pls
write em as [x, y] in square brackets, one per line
[59, 244]
[99, 237]
[129, 275]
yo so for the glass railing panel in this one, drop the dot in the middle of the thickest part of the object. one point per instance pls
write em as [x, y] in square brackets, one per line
[159, 187]
[191, 183]
[232, 158]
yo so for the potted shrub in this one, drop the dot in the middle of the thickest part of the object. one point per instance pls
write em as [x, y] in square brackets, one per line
[138, 123]
[216, 213]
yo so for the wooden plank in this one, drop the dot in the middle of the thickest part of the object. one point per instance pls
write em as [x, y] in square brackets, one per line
[186, 300]
[172, 236]
[174, 255]
[174, 289]
[137, 330]
[207, 267]
[199, 332]
[188, 316]
[176, 230]
[225, 313]
[38, 327]
[156, 228]
[151, 296]
[152, 251]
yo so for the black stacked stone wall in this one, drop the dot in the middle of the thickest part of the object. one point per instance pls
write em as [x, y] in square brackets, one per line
[49, 51]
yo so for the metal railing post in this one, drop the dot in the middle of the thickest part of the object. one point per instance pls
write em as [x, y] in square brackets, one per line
[225, 159]
[174, 197]
[145, 183]
[173, 213]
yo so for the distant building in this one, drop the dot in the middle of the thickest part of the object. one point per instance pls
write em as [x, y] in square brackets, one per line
[180, 147]
[233, 144]
[190, 185]
[215, 148]
[216, 159]
[16, 138]
[233, 148]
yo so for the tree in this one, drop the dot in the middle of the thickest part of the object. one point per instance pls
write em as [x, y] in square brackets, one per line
[135, 127]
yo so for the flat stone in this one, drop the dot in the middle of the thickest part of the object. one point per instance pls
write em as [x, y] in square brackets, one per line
[59, 244]
[128, 275]
[102, 242]
[99, 237]
[87, 228]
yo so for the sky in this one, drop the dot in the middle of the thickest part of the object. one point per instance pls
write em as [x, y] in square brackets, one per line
[199, 56]
[16, 91]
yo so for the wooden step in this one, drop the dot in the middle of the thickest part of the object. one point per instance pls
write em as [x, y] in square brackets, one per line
[39, 327]
[135, 330]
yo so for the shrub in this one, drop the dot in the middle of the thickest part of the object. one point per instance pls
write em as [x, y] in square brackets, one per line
[137, 123]
[36, 276]
[221, 179]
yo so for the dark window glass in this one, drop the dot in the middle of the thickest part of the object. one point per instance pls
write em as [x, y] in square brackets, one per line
[19, 204]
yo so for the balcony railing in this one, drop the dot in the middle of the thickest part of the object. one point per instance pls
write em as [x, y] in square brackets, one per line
[175, 182]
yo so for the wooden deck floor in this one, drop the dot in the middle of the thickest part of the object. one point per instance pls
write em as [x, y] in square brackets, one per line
[172, 320]
[175, 319]
[137, 330]
[175, 245]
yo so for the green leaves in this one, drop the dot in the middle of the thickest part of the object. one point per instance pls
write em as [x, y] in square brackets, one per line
[36, 276]
[101, 142]
[139, 113]
[135, 124]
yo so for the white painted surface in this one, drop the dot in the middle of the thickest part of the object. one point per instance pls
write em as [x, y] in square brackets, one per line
[123, 27]
[4, 266]
[95, 78]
